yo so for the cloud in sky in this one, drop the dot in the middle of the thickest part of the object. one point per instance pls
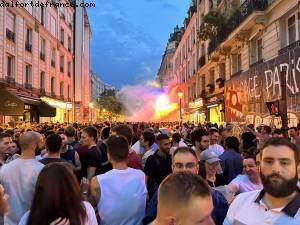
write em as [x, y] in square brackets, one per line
[129, 37]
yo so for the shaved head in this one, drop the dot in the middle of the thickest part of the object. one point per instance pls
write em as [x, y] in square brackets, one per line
[184, 198]
[29, 138]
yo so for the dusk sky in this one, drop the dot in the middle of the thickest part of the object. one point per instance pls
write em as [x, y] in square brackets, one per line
[129, 37]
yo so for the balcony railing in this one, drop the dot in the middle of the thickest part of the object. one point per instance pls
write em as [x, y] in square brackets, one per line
[69, 99]
[69, 74]
[52, 63]
[52, 94]
[61, 69]
[246, 9]
[289, 47]
[28, 47]
[10, 35]
[42, 56]
[28, 86]
[10, 80]
[42, 91]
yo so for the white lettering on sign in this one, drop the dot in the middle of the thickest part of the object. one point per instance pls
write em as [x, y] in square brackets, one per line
[250, 87]
[273, 83]
[10, 104]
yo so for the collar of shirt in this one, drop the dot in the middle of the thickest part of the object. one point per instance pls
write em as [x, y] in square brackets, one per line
[290, 209]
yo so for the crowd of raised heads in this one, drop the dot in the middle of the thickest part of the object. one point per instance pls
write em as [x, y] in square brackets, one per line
[148, 174]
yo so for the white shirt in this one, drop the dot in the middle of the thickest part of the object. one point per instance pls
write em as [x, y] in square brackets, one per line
[243, 183]
[249, 209]
[90, 215]
[216, 148]
[123, 197]
[18, 179]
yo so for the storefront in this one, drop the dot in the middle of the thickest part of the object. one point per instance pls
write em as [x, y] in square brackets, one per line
[215, 110]
[63, 110]
[16, 107]
[196, 112]
[246, 94]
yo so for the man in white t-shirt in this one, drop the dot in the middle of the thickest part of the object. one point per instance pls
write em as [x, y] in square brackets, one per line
[19, 177]
[120, 194]
[250, 180]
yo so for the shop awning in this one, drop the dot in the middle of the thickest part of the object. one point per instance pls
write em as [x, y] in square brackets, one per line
[10, 104]
[46, 110]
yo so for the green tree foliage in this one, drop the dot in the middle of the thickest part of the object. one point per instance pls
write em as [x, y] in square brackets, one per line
[109, 102]
[212, 22]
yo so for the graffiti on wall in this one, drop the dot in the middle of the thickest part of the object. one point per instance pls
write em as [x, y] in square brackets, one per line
[247, 92]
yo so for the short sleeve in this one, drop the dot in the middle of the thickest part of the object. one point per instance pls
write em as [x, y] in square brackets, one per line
[150, 166]
[92, 159]
[24, 219]
[90, 212]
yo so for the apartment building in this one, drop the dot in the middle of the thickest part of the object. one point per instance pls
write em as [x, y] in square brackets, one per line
[36, 64]
[240, 68]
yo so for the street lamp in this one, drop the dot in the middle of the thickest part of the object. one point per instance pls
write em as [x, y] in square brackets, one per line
[103, 110]
[180, 95]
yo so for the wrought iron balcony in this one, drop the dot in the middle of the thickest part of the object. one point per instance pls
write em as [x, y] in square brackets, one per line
[246, 9]
[10, 80]
[289, 47]
[42, 91]
[61, 97]
[28, 86]
[10, 35]
[28, 47]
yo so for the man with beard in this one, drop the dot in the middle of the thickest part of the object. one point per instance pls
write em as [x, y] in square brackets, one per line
[279, 201]
[200, 141]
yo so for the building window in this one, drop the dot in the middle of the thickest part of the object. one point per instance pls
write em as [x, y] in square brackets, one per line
[255, 50]
[69, 92]
[28, 40]
[28, 74]
[42, 80]
[53, 26]
[69, 43]
[69, 69]
[259, 49]
[43, 15]
[43, 49]
[52, 86]
[53, 56]
[10, 26]
[236, 63]
[222, 71]
[292, 29]
[212, 77]
[61, 89]
[62, 62]
[62, 36]
[10, 66]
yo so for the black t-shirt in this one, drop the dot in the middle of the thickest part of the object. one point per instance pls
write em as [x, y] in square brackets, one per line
[248, 140]
[46, 161]
[94, 159]
[157, 167]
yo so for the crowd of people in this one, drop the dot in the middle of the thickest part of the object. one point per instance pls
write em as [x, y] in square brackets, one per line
[148, 174]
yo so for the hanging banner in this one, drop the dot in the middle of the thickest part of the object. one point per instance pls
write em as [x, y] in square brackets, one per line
[248, 92]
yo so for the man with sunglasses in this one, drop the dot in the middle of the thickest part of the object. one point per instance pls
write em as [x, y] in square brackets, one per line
[185, 160]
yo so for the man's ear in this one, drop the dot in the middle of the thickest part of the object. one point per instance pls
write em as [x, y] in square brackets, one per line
[170, 220]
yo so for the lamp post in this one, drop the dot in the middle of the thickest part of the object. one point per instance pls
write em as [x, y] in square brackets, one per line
[180, 95]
